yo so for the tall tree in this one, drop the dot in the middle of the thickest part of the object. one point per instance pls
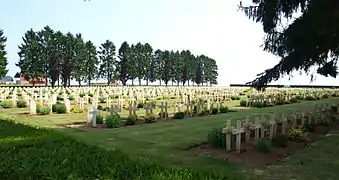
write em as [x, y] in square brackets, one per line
[166, 66]
[91, 62]
[133, 63]
[29, 53]
[66, 65]
[156, 66]
[107, 61]
[199, 71]
[78, 72]
[124, 55]
[3, 53]
[310, 40]
[147, 58]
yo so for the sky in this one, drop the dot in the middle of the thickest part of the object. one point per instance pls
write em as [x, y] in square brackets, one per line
[211, 27]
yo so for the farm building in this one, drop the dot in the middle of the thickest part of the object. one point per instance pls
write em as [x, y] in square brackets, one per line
[7, 80]
[20, 79]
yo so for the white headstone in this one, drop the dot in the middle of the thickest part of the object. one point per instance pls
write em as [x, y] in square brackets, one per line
[32, 107]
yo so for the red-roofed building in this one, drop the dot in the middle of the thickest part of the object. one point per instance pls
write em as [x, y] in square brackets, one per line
[22, 80]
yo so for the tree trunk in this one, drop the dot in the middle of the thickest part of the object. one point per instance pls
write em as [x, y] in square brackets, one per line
[46, 81]
[132, 82]
[139, 81]
[147, 82]
[188, 83]
[160, 82]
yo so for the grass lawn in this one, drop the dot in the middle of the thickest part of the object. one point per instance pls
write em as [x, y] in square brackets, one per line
[165, 142]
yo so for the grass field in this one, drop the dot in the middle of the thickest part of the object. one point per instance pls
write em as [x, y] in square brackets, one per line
[165, 143]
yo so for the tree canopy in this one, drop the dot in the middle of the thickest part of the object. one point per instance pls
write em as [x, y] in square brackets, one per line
[63, 56]
[312, 39]
[3, 53]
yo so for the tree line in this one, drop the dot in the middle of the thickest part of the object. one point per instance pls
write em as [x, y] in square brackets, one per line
[56, 56]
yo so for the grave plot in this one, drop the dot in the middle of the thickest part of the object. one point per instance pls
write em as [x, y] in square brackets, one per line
[268, 140]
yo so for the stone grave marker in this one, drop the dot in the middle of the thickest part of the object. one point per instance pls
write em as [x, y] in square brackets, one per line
[32, 107]
[228, 131]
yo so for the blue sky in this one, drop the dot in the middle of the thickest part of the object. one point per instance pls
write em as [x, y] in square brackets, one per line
[210, 27]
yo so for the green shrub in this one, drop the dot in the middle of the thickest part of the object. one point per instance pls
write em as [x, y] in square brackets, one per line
[140, 105]
[131, 120]
[90, 94]
[308, 128]
[99, 119]
[179, 115]
[9, 97]
[21, 104]
[325, 96]
[264, 145]
[233, 97]
[60, 98]
[59, 108]
[160, 97]
[150, 118]
[82, 95]
[279, 141]
[258, 104]
[243, 103]
[102, 99]
[310, 98]
[100, 108]
[6, 104]
[216, 139]
[293, 100]
[297, 135]
[43, 110]
[76, 110]
[223, 109]
[215, 110]
[113, 120]
[71, 97]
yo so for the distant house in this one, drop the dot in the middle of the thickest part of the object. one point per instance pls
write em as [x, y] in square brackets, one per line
[20, 79]
[7, 80]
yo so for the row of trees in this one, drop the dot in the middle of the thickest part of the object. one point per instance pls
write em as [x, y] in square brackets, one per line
[54, 55]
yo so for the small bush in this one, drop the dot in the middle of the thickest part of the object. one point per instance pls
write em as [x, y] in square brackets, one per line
[308, 128]
[21, 104]
[140, 105]
[76, 110]
[223, 109]
[82, 95]
[6, 104]
[243, 103]
[102, 99]
[293, 100]
[150, 118]
[100, 108]
[264, 145]
[279, 141]
[297, 135]
[160, 97]
[113, 120]
[131, 120]
[99, 119]
[60, 98]
[258, 104]
[216, 139]
[71, 97]
[59, 108]
[215, 110]
[325, 96]
[179, 115]
[310, 98]
[43, 110]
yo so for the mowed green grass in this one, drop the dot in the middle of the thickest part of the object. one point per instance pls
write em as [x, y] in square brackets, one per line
[165, 142]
